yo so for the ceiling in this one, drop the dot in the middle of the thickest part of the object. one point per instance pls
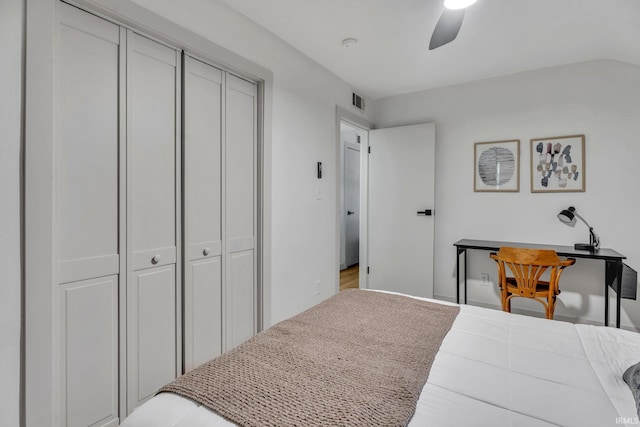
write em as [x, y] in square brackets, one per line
[498, 37]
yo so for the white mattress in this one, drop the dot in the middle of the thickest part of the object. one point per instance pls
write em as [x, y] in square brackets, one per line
[493, 369]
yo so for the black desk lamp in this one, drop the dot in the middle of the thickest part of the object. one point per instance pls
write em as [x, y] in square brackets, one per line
[568, 217]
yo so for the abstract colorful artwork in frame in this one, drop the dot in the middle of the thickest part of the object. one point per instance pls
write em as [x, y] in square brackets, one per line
[558, 164]
[497, 166]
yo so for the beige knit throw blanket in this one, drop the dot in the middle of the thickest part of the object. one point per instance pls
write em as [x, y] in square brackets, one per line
[359, 358]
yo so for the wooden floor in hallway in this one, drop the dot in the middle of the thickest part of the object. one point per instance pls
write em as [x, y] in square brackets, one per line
[349, 277]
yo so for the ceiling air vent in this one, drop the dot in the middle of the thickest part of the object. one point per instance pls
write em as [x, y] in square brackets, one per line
[357, 101]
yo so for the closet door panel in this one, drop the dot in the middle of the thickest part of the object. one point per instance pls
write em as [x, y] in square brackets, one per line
[240, 163]
[152, 330]
[89, 351]
[205, 314]
[151, 123]
[202, 212]
[152, 179]
[240, 158]
[87, 159]
[202, 156]
[240, 305]
[86, 218]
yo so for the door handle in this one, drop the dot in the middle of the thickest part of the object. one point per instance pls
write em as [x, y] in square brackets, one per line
[350, 212]
[426, 212]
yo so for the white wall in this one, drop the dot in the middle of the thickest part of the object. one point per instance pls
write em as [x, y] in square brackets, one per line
[600, 99]
[11, 13]
[305, 96]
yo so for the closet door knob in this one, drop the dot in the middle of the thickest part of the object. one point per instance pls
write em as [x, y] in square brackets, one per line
[155, 259]
[206, 251]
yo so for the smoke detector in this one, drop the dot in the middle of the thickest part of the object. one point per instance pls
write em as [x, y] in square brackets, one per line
[350, 42]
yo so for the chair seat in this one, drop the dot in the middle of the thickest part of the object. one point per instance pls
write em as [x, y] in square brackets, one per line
[542, 288]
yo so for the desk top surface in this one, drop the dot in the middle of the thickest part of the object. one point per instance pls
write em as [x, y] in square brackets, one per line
[493, 245]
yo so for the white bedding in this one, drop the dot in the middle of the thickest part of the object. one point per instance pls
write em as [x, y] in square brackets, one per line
[494, 369]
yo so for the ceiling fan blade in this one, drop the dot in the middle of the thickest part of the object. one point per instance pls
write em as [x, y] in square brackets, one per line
[447, 28]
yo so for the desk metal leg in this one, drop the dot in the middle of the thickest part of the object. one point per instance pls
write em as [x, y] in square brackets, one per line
[457, 275]
[465, 276]
[619, 291]
[606, 299]
[458, 252]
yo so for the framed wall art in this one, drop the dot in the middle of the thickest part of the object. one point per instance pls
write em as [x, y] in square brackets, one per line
[497, 166]
[558, 164]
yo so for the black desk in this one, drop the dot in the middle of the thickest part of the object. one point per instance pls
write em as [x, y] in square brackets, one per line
[613, 260]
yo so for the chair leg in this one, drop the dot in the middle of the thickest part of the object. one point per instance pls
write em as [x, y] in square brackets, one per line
[551, 306]
[506, 302]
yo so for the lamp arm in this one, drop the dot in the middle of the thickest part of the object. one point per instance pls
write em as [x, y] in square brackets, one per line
[593, 237]
[583, 220]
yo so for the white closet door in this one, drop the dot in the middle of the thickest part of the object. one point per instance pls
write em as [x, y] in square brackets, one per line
[240, 207]
[202, 212]
[86, 219]
[152, 190]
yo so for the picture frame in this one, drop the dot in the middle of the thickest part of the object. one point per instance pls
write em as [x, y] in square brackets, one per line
[497, 166]
[558, 164]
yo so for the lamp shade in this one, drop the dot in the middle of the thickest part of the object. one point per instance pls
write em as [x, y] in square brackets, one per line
[458, 4]
[568, 216]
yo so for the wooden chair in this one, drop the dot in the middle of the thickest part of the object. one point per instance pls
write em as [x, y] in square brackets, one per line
[527, 266]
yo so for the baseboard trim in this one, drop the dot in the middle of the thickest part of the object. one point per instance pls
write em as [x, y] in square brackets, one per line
[533, 313]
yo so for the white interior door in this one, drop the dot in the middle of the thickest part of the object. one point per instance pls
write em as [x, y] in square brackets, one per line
[401, 189]
[352, 203]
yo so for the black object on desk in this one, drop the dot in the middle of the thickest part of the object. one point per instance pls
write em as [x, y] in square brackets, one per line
[613, 268]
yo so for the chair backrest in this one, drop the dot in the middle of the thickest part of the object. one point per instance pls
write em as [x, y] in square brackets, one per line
[528, 266]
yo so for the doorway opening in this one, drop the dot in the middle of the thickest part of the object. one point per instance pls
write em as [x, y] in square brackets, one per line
[352, 141]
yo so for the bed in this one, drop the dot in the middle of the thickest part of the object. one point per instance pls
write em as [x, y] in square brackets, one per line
[491, 369]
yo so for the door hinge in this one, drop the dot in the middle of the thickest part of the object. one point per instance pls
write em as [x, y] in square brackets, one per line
[368, 270]
[369, 150]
